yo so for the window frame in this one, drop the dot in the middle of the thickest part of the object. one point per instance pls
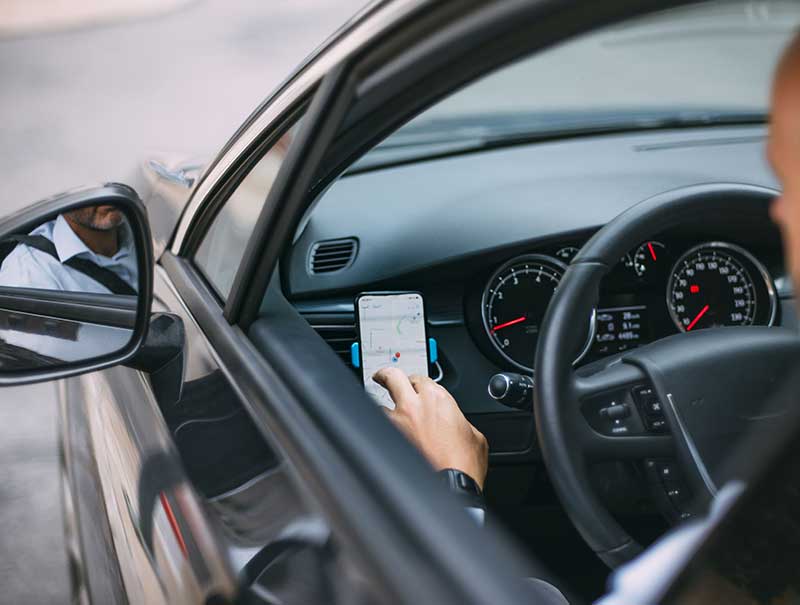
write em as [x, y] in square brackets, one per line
[203, 221]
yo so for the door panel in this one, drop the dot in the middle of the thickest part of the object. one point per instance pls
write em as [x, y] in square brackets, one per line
[249, 492]
[93, 563]
[149, 526]
[151, 513]
[295, 543]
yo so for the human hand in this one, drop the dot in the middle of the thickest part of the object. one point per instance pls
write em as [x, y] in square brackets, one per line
[430, 418]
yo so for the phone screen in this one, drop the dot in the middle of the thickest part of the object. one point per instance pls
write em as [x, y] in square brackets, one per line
[392, 334]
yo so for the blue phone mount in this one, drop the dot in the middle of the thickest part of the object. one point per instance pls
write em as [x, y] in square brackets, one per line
[355, 353]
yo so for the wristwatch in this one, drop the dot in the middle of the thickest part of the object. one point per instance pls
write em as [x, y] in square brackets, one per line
[467, 490]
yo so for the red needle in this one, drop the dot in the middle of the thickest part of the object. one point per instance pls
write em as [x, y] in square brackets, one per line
[652, 251]
[696, 319]
[509, 323]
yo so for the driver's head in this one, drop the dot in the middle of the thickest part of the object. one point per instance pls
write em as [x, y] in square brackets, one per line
[783, 150]
[97, 218]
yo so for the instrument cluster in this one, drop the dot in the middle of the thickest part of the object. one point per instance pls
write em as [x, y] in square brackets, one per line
[656, 289]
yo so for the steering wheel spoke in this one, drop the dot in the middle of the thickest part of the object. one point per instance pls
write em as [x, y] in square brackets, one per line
[607, 375]
[621, 415]
[635, 447]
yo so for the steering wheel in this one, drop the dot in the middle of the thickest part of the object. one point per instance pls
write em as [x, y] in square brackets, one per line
[711, 384]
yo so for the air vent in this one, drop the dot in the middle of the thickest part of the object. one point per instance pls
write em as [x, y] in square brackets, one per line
[335, 322]
[332, 255]
[339, 331]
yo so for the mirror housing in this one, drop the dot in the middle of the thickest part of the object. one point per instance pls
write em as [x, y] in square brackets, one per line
[75, 319]
[162, 357]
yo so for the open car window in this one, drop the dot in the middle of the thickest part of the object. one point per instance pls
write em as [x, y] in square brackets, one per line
[222, 247]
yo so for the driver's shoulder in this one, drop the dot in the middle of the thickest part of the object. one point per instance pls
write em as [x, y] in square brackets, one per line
[26, 266]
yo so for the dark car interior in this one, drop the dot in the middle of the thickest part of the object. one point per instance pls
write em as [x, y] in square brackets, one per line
[391, 245]
[461, 226]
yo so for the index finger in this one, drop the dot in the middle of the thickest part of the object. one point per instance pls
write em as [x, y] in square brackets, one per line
[397, 383]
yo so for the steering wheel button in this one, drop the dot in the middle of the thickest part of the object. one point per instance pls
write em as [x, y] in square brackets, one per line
[654, 407]
[617, 412]
[614, 414]
[678, 495]
[619, 428]
[667, 472]
[642, 394]
[657, 425]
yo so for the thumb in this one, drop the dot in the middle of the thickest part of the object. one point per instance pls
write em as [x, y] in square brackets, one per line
[397, 383]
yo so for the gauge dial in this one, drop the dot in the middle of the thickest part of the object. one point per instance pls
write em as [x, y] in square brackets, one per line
[627, 261]
[567, 253]
[514, 304]
[719, 284]
[648, 258]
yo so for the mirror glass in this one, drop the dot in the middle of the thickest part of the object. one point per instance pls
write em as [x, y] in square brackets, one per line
[68, 288]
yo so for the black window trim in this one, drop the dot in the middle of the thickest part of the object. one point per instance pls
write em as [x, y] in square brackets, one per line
[209, 209]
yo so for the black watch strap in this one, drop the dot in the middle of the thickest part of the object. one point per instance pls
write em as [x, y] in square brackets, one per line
[464, 486]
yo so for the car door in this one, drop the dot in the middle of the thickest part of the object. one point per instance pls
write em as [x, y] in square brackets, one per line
[329, 478]
[174, 495]
[352, 459]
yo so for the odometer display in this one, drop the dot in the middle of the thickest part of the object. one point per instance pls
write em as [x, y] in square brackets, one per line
[719, 284]
[514, 304]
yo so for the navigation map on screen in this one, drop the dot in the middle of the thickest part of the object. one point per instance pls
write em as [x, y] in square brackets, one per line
[392, 333]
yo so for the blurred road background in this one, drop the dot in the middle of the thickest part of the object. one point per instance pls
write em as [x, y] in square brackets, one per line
[88, 89]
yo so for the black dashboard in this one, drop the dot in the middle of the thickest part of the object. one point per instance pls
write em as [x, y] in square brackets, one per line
[486, 236]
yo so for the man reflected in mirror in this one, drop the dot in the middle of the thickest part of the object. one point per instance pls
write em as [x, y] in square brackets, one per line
[89, 249]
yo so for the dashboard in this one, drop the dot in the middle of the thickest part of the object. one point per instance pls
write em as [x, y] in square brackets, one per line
[487, 236]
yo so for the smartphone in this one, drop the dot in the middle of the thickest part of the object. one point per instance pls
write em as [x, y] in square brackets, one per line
[392, 332]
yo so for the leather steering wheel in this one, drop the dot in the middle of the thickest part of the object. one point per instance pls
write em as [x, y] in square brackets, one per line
[711, 383]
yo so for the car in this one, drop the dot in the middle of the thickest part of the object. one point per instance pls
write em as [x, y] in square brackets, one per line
[217, 445]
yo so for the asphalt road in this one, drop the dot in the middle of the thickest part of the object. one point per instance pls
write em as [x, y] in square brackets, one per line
[86, 105]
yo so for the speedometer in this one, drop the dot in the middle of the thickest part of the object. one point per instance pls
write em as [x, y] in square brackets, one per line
[514, 303]
[720, 284]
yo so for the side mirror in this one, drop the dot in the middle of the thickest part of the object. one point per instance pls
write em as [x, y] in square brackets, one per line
[76, 280]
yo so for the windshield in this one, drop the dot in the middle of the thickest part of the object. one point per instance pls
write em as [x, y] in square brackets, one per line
[701, 64]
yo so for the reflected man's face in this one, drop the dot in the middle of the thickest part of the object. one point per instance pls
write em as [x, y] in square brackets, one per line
[97, 218]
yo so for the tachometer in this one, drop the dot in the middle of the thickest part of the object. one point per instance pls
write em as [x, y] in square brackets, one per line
[514, 303]
[648, 258]
[719, 284]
